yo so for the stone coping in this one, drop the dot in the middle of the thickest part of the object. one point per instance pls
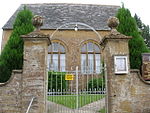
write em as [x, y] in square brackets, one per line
[35, 35]
[114, 35]
[139, 75]
[11, 78]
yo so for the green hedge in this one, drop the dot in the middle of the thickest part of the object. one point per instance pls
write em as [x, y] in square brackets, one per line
[56, 81]
[96, 83]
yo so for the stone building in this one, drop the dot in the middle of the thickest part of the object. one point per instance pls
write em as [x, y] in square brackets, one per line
[82, 42]
[70, 48]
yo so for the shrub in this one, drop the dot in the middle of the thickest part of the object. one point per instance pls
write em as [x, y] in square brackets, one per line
[56, 81]
[96, 84]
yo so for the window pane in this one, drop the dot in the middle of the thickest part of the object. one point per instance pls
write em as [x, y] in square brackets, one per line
[96, 48]
[55, 62]
[61, 48]
[90, 47]
[83, 63]
[62, 62]
[84, 48]
[98, 63]
[55, 47]
[90, 63]
[62, 56]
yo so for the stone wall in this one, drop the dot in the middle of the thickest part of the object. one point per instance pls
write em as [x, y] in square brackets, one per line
[139, 91]
[146, 66]
[136, 94]
[70, 33]
[10, 94]
[130, 94]
[5, 36]
[73, 41]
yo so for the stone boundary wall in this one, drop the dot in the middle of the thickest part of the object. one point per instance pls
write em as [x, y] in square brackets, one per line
[140, 93]
[10, 93]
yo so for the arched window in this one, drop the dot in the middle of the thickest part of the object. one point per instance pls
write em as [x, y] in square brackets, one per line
[56, 57]
[90, 58]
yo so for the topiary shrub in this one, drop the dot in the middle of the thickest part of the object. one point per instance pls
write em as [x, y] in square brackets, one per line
[12, 55]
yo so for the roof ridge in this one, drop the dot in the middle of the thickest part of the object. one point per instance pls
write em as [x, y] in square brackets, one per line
[70, 4]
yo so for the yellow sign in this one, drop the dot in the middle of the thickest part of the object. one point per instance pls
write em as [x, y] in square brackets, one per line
[69, 77]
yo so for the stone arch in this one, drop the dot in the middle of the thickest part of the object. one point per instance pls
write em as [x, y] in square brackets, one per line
[90, 40]
[61, 42]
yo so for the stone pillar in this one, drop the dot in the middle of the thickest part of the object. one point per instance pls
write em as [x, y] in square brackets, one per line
[34, 80]
[116, 44]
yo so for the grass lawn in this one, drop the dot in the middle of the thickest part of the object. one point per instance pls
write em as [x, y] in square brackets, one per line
[70, 100]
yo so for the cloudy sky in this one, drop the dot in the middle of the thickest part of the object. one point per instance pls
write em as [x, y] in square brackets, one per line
[141, 7]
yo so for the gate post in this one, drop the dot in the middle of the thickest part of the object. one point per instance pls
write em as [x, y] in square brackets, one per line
[116, 57]
[34, 79]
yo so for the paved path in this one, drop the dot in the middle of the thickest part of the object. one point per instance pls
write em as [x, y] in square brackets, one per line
[95, 106]
[89, 108]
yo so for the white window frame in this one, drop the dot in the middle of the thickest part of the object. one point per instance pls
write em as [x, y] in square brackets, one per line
[61, 61]
[95, 50]
[116, 65]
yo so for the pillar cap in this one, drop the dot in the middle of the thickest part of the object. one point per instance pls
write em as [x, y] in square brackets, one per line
[113, 22]
[36, 35]
[37, 22]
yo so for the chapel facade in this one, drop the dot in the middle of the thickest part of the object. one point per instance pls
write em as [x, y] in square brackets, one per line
[71, 48]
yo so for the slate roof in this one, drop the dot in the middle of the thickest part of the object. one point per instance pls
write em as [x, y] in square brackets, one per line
[57, 14]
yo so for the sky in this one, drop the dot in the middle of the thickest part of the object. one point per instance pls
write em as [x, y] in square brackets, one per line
[140, 7]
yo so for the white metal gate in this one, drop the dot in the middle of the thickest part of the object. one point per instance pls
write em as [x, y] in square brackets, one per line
[77, 92]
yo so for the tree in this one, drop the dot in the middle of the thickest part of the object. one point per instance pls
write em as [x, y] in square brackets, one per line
[146, 34]
[129, 27]
[138, 21]
[12, 55]
[144, 29]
